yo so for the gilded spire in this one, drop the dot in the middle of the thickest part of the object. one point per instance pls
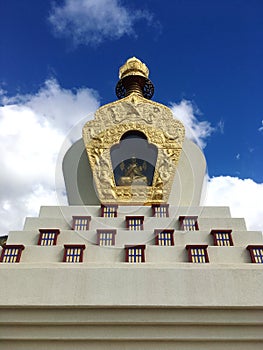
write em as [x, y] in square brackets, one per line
[134, 78]
[133, 66]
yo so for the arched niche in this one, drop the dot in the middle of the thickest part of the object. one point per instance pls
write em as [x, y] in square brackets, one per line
[100, 147]
[133, 160]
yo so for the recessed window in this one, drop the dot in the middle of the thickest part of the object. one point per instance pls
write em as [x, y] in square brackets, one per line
[188, 223]
[73, 253]
[135, 254]
[160, 210]
[197, 253]
[164, 237]
[256, 253]
[134, 223]
[106, 237]
[48, 236]
[81, 223]
[11, 253]
[222, 237]
[109, 211]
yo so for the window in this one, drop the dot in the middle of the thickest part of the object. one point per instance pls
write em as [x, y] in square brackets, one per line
[106, 237]
[188, 223]
[134, 223]
[197, 253]
[48, 236]
[11, 253]
[256, 253]
[222, 237]
[81, 223]
[109, 211]
[164, 237]
[135, 254]
[73, 253]
[160, 210]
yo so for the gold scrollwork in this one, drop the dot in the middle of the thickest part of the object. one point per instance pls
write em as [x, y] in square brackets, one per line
[161, 129]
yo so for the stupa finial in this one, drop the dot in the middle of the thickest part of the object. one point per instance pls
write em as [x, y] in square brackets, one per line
[134, 78]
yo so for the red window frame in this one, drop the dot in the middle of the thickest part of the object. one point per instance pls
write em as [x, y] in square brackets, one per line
[155, 206]
[74, 224]
[42, 231]
[182, 225]
[127, 255]
[20, 247]
[217, 241]
[157, 232]
[128, 218]
[99, 232]
[197, 246]
[73, 246]
[104, 206]
[250, 248]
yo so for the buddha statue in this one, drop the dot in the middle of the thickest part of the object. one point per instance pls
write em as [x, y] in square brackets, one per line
[133, 174]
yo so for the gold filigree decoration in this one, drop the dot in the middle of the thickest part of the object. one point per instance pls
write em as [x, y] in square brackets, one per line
[133, 66]
[161, 129]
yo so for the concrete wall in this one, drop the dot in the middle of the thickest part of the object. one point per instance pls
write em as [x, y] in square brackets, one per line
[181, 285]
[106, 303]
[119, 328]
[61, 218]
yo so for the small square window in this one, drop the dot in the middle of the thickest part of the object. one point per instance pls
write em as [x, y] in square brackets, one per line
[109, 211]
[73, 253]
[256, 253]
[81, 223]
[197, 253]
[188, 223]
[48, 236]
[135, 254]
[11, 253]
[164, 237]
[106, 237]
[222, 237]
[134, 223]
[160, 210]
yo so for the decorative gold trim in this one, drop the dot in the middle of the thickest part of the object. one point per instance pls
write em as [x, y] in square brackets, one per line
[161, 129]
[133, 66]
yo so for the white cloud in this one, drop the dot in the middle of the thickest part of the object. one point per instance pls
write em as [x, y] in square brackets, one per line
[32, 130]
[93, 21]
[221, 126]
[60, 108]
[196, 131]
[261, 128]
[244, 197]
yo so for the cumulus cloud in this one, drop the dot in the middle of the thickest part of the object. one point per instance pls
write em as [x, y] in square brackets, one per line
[93, 21]
[61, 108]
[244, 197]
[261, 128]
[196, 131]
[32, 130]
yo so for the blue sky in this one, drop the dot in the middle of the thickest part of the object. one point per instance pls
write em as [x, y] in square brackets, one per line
[59, 61]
